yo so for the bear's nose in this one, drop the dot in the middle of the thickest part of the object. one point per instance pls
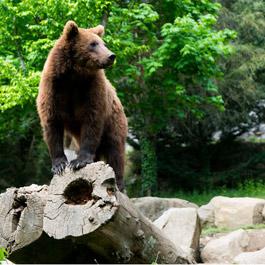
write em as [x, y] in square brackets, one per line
[112, 57]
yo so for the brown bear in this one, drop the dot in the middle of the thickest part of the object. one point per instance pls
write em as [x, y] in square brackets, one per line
[76, 98]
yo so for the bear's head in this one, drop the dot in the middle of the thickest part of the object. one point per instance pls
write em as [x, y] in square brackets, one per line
[87, 48]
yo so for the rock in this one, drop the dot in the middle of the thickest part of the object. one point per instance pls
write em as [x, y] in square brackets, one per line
[70, 154]
[237, 212]
[255, 243]
[206, 215]
[205, 239]
[256, 257]
[262, 128]
[153, 207]
[6, 262]
[256, 239]
[225, 248]
[182, 227]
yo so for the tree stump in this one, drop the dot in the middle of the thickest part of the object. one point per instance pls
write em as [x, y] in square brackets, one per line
[85, 219]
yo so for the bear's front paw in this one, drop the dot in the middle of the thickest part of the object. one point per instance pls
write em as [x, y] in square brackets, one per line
[80, 162]
[58, 165]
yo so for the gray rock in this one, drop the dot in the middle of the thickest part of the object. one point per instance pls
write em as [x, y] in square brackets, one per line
[256, 257]
[256, 239]
[237, 212]
[206, 215]
[6, 262]
[225, 248]
[153, 207]
[182, 227]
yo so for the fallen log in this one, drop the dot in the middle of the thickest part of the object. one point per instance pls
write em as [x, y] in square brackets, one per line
[81, 218]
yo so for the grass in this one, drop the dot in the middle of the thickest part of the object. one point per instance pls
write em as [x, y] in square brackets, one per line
[248, 189]
[254, 139]
[215, 230]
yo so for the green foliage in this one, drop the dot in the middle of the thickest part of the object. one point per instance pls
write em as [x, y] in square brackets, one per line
[166, 71]
[172, 73]
[3, 254]
[20, 89]
[242, 86]
[196, 47]
[149, 166]
[246, 189]
[203, 171]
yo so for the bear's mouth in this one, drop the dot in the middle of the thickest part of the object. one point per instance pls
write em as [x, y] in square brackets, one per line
[107, 64]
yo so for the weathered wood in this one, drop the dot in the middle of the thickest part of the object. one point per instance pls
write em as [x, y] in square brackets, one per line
[86, 219]
[21, 230]
[89, 204]
[82, 201]
[21, 216]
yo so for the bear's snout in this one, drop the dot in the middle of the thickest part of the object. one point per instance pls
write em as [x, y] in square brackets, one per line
[112, 57]
[110, 60]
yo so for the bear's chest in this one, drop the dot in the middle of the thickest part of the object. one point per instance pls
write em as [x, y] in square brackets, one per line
[73, 99]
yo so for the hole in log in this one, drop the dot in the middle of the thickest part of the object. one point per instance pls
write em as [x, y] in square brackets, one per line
[19, 204]
[110, 191]
[109, 184]
[78, 192]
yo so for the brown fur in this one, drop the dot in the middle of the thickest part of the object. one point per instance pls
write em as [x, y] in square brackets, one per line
[76, 98]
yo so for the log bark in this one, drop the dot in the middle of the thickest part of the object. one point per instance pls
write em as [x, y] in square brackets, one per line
[81, 218]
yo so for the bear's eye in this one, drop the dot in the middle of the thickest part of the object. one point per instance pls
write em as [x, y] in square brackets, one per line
[93, 44]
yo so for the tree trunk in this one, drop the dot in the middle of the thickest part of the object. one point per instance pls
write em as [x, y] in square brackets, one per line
[80, 218]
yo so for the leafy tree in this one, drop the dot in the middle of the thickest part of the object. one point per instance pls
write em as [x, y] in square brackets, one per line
[175, 76]
[166, 70]
[188, 154]
[243, 87]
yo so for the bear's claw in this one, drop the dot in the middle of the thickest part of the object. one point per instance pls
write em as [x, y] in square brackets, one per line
[58, 166]
[78, 163]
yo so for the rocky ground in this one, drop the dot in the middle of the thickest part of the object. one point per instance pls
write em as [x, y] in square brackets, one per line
[226, 230]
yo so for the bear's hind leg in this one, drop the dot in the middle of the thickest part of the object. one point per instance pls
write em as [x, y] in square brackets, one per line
[114, 155]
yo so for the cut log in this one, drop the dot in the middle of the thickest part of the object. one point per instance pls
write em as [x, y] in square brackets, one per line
[85, 219]
[21, 216]
[21, 227]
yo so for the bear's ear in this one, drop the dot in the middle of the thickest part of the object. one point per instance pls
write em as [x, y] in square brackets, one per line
[70, 29]
[99, 30]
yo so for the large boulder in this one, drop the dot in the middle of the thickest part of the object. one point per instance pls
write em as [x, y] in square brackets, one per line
[232, 212]
[206, 215]
[225, 248]
[153, 207]
[256, 257]
[256, 240]
[182, 227]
